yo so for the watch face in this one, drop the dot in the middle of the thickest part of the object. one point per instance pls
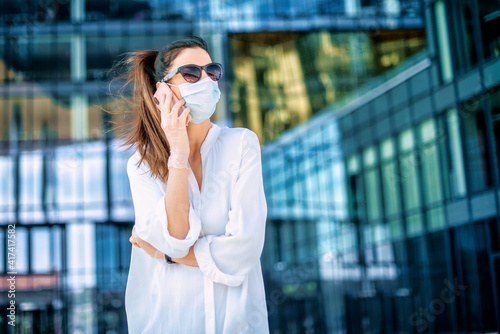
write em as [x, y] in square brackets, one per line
[168, 259]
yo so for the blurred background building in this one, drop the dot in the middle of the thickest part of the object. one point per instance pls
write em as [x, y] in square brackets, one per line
[380, 125]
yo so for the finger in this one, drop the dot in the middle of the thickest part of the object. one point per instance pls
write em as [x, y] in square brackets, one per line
[183, 116]
[188, 119]
[175, 99]
[166, 102]
[165, 108]
[175, 109]
[134, 242]
[163, 114]
[168, 97]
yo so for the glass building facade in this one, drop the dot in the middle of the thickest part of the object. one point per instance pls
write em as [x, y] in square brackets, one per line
[281, 79]
[380, 157]
[384, 208]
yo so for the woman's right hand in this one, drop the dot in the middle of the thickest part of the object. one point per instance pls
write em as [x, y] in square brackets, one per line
[175, 128]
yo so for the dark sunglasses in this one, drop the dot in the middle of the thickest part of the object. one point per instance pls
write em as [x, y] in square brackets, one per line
[192, 73]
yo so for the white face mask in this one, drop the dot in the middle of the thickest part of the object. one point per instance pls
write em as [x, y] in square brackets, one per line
[201, 97]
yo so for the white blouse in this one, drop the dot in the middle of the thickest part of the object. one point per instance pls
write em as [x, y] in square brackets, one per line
[227, 219]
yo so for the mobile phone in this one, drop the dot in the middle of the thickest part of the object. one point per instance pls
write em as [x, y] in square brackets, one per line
[163, 89]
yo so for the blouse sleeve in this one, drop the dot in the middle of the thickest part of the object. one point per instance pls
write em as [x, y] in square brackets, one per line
[228, 258]
[151, 217]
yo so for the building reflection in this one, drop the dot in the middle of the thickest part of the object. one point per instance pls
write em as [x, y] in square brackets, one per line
[281, 79]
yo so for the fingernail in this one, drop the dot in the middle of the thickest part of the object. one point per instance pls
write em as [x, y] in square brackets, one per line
[156, 101]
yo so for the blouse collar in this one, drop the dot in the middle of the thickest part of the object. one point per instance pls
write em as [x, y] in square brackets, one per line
[212, 135]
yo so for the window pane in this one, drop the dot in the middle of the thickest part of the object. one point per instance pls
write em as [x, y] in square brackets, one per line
[387, 149]
[103, 51]
[406, 141]
[369, 157]
[286, 241]
[108, 247]
[380, 233]
[411, 197]
[390, 185]
[7, 197]
[372, 184]
[476, 147]
[36, 117]
[38, 13]
[367, 235]
[430, 163]
[390, 178]
[443, 38]
[40, 250]
[456, 172]
[20, 262]
[438, 269]
[31, 181]
[414, 225]
[475, 272]
[465, 44]
[43, 58]
[495, 115]
[2, 247]
[489, 21]
[428, 131]
[442, 144]
[134, 10]
[430, 168]
[385, 253]
[435, 219]
[339, 190]
[396, 229]
[353, 164]
[303, 239]
[356, 197]
[57, 240]
[81, 265]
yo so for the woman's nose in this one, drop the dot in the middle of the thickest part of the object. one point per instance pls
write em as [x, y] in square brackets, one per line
[203, 75]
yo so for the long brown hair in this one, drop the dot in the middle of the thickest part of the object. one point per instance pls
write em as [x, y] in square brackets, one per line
[144, 68]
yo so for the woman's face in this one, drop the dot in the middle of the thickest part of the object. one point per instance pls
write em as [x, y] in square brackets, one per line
[196, 56]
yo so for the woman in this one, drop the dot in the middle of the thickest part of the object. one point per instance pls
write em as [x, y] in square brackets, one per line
[200, 208]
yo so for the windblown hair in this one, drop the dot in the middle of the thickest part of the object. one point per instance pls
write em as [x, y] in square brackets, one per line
[144, 68]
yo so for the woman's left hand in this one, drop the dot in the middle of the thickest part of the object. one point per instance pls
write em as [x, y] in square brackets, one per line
[133, 238]
[147, 247]
[189, 259]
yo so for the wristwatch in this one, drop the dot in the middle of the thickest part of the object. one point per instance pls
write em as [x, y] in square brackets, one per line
[169, 259]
